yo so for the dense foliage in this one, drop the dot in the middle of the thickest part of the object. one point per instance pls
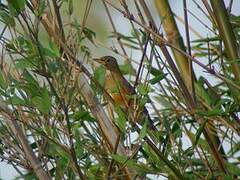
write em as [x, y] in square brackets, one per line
[57, 121]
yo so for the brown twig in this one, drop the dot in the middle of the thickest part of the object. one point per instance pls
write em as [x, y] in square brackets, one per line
[189, 51]
[114, 28]
[13, 125]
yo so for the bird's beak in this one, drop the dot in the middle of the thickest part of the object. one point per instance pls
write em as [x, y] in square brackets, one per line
[99, 60]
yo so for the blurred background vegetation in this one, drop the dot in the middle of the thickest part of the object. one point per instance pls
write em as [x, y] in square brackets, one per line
[181, 57]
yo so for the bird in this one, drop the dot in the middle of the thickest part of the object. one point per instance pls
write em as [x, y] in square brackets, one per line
[115, 83]
[120, 89]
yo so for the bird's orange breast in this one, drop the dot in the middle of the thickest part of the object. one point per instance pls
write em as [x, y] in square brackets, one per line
[116, 90]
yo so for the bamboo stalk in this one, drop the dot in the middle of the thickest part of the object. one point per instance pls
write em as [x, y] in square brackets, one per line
[227, 34]
[184, 90]
[174, 37]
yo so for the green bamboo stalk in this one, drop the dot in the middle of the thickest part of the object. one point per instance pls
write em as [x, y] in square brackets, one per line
[174, 37]
[226, 32]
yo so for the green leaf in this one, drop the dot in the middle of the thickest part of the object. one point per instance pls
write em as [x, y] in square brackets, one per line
[143, 89]
[24, 63]
[131, 46]
[143, 101]
[130, 162]
[189, 151]
[236, 61]
[89, 34]
[129, 39]
[143, 131]
[163, 101]
[233, 169]
[166, 123]
[3, 82]
[234, 149]
[15, 100]
[54, 49]
[215, 112]
[119, 158]
[6, 18]
[85, 49]
[27, 176]
[176, 130]
[153, 158]
[41, 7]
[18, 5]
[29, 78]
[202, 92]
[201, 141]
[154, 71]
[157, 78]
[143, 36]
[227, 177]
[54, 66]
[24, 44]
[199, 132]
[49, 53]
[99, 75]
[216, 38]
[31, 86]
[121, 120]
[61, 165]
[79, 147]
[43, 103]
[127, 68]
[94, 172]
[38, 102]
[83, 115]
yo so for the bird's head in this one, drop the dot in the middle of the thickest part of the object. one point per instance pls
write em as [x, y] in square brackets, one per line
[109, 62]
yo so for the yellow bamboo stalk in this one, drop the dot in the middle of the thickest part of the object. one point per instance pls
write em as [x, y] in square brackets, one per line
[174, 37]
[227, 34]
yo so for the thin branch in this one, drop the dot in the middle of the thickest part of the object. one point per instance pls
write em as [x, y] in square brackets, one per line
[73, 152]
[114, 28]
[189, 51]
[12, 123]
